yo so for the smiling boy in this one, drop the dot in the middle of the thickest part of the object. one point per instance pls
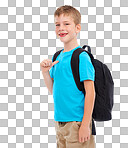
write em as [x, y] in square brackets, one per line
[72, 110]
[67, 31]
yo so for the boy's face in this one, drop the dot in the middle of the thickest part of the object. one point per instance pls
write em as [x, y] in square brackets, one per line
[66, 29]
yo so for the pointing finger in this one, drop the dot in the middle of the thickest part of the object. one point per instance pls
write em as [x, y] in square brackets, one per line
[55, 62]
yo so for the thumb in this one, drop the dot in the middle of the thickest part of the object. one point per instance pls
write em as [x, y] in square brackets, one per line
[55, 62]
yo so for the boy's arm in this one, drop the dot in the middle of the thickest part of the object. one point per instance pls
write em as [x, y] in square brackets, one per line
[48, 81]
[46, 65]
[89, 101]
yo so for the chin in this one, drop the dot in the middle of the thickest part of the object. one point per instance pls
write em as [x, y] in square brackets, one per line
[64, 41]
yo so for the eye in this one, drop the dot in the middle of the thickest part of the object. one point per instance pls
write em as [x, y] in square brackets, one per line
[66, 24]
[57, 24]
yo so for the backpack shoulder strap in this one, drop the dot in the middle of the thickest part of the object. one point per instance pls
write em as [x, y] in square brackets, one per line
[55, 55]
[75, 66]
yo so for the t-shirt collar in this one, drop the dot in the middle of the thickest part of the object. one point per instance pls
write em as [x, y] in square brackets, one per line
[70, 50]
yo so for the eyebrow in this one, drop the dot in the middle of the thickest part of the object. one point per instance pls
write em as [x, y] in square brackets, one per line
[63, 21]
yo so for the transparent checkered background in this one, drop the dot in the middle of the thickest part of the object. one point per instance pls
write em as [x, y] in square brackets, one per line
[26, 38]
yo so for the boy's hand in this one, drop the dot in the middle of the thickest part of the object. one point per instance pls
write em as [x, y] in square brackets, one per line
[84, 133]
[47, 64]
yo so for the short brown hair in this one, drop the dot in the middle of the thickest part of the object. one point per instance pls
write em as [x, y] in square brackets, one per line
[69, 10]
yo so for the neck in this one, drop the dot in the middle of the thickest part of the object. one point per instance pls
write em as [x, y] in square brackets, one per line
[70, 45]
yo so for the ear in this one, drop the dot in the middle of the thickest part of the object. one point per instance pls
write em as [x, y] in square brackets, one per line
[78, 28]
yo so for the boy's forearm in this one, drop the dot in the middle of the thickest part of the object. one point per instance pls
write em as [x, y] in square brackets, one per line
[88, 107]
[48, 81]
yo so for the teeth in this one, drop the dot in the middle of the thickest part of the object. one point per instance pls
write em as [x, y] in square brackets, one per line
[62, 33]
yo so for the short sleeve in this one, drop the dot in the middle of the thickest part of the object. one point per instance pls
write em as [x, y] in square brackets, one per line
[51, 70]
[86, 69]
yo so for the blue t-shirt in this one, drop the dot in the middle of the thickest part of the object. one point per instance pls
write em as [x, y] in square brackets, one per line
[68, 99]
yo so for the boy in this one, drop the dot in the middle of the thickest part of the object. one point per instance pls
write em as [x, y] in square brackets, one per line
[72, 110]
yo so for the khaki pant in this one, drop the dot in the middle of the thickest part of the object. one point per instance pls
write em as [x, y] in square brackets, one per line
[67, 135]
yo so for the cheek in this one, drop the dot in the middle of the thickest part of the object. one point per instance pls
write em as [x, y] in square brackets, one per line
[56, 31]
[72, 31]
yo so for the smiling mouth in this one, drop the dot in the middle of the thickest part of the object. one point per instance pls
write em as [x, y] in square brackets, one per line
[63, 34]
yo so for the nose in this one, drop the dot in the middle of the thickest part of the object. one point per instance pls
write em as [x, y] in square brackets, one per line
[61, 27]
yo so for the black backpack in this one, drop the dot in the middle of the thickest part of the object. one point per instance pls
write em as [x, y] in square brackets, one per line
[104, 85]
